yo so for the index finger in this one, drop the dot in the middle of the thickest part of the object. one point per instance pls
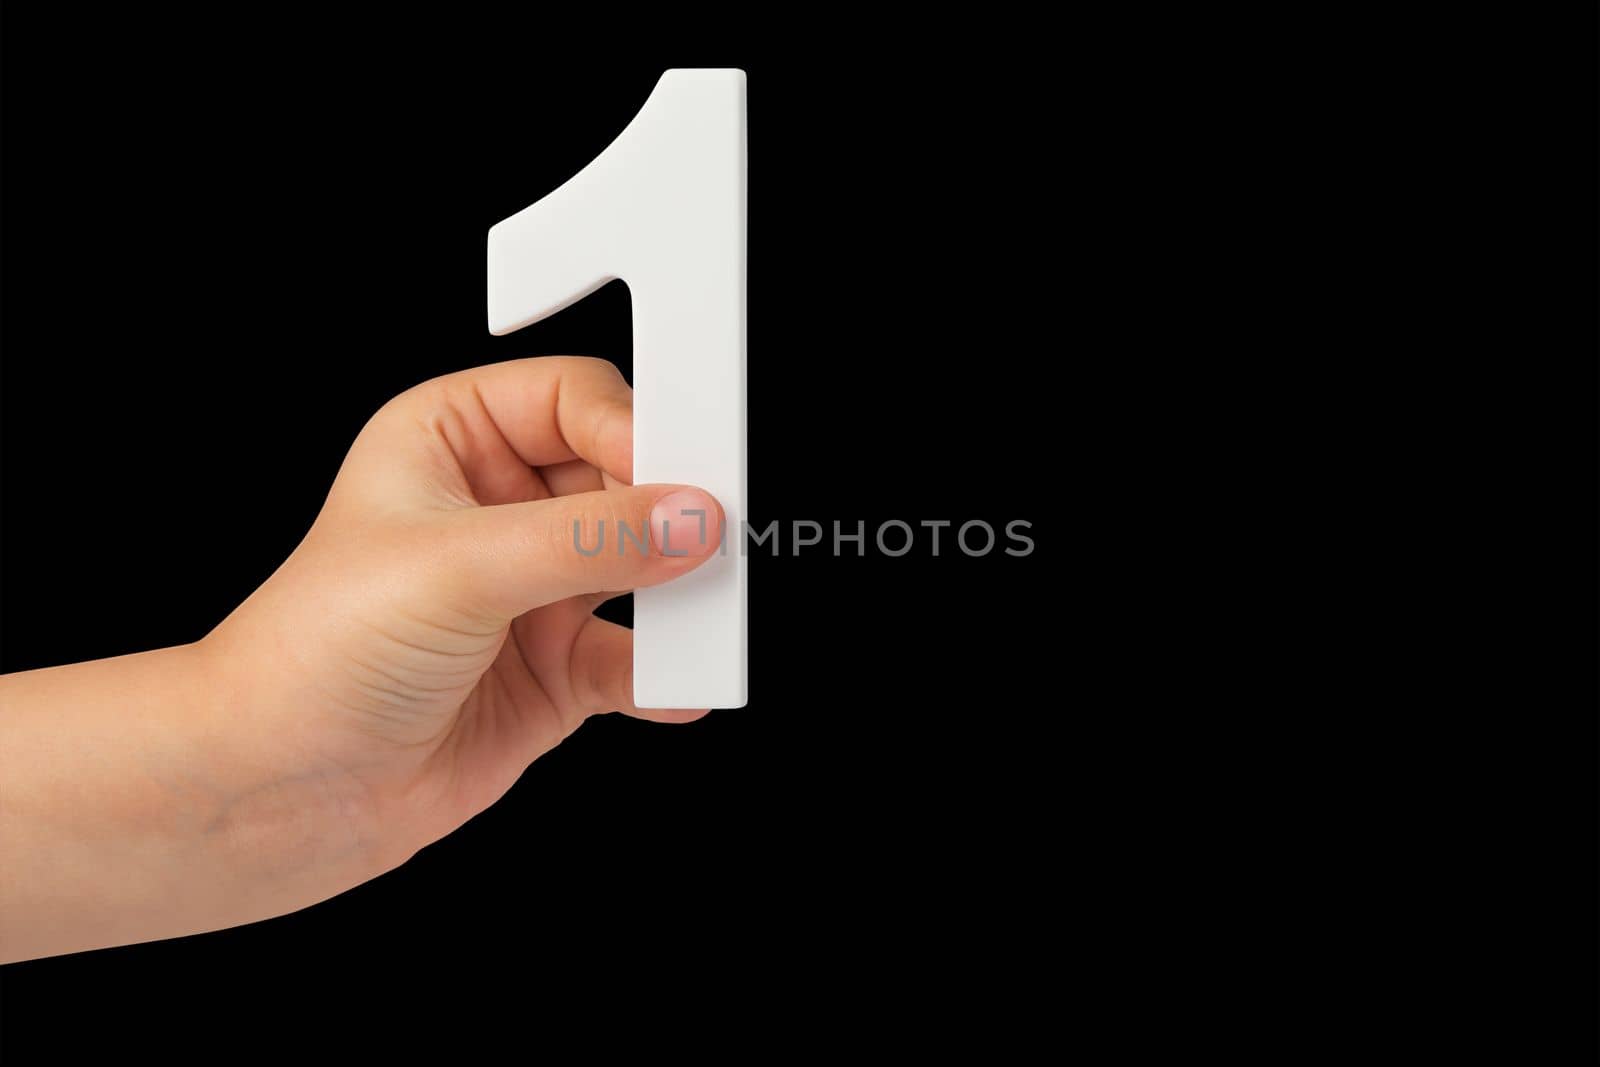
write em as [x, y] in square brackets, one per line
[547, 410]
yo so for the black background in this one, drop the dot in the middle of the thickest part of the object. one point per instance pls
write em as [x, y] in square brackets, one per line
[1237, 325]
[221, 257]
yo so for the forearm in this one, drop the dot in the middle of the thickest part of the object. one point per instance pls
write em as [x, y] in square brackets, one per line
[143, 797]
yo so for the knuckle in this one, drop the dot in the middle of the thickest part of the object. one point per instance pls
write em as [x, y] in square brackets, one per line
[592, 536]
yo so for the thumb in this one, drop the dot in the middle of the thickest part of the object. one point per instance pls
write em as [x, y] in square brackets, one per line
[508, 559]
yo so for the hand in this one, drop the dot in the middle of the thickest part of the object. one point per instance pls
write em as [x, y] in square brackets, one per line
[431, 636]
[434, 633]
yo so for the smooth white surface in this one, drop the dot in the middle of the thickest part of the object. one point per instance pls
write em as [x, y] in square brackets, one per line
[663, 208]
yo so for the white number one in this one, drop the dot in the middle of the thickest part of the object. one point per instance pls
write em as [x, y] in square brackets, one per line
[663, 208]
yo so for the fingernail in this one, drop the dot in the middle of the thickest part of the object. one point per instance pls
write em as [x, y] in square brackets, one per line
[684, 523]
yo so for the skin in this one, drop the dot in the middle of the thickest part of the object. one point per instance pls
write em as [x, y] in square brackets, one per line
[431, 637]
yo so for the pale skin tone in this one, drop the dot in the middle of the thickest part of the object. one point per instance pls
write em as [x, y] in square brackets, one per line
[431, 637]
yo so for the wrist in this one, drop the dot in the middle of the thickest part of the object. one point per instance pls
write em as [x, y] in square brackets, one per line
[136, 803]
[143, 797]
[282, 814]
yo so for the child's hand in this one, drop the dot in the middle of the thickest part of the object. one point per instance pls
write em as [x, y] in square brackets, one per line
[434, 633]
[430, 638]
